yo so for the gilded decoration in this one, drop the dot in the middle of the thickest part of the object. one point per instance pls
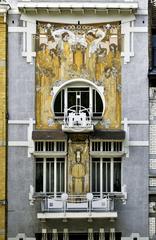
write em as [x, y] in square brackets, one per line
[78, 167]
[89, 51]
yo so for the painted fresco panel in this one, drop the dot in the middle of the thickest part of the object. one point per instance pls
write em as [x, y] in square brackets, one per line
[78, 165]
[66, 52]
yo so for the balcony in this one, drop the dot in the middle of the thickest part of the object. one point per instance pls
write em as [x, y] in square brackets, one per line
[76, 207]
[77, 119]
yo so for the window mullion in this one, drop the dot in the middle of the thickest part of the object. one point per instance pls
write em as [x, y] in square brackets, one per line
[91, 171]
[60, 185]
[101, 177]
[44, 146]
[96, 175]
[106, 176]
[65, 174]
[44, 175]
[55, 177]
[91, 101]
[50, 166]
[65, 101]
[112, 175]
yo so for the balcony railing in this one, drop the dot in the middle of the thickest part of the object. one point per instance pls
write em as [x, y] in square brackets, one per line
[80, 206]
[77, 119]
[75, 203]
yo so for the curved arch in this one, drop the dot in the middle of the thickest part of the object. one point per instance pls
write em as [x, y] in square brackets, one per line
[75, 81]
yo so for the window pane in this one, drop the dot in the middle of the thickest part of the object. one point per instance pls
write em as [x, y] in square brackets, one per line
[106, 175]
[39, 175]
[95, 175]
[71, 99]
[59, 104]
[50, 175]
[49, 146]
[117, 176]
[85, 99]
[97, 104]
[60, 146]
[60, 175]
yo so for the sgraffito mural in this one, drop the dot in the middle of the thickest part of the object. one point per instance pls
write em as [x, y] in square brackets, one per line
[67, 51]
[78, 165]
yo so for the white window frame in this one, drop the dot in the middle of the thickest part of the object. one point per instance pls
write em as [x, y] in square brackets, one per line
[78, 83]
[101, 174]
[53, 153]
[101, 153]
[45, 159]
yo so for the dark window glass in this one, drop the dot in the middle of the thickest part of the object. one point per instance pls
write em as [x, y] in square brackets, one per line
[39, 175]
[71, 99]
[97, 104]
[85, 99]
[106, 175]
[96, 175]
[60, 175]
[59, 104]
[154, 50]
[117, 175]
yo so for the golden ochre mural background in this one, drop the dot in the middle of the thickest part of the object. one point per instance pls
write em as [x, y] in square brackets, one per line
[67, 51]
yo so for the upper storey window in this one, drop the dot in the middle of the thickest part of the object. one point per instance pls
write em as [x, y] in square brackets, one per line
[78, 99]
[78, 103]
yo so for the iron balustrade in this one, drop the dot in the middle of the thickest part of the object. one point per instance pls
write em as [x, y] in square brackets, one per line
[78, 203]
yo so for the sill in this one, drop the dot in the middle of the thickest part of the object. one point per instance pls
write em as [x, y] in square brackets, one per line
[50, 153]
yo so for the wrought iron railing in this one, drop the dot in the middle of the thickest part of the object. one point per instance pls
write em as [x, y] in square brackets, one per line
[78, 203]
[77, 117]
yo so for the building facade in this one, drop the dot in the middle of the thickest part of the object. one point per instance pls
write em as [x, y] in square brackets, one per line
[3, 116]
[78, 151]
[152, 76]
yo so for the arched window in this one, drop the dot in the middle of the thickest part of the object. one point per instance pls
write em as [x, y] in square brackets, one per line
[78, 97]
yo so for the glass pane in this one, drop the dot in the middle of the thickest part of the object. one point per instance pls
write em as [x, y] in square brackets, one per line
[39, 176]
[96, 175]
[59, 104]
[71, 99]
[62, 177]
[99, 105]
[85, 99]
[117, 176]
[93, 177]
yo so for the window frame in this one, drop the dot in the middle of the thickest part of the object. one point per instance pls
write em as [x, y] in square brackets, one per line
[45, 162]
[112, 162]
[91, 90]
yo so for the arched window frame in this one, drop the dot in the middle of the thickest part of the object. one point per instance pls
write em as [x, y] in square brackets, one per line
[79, 82]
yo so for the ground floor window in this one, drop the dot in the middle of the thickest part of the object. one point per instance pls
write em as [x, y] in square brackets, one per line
[50, 175]
[106, 175]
